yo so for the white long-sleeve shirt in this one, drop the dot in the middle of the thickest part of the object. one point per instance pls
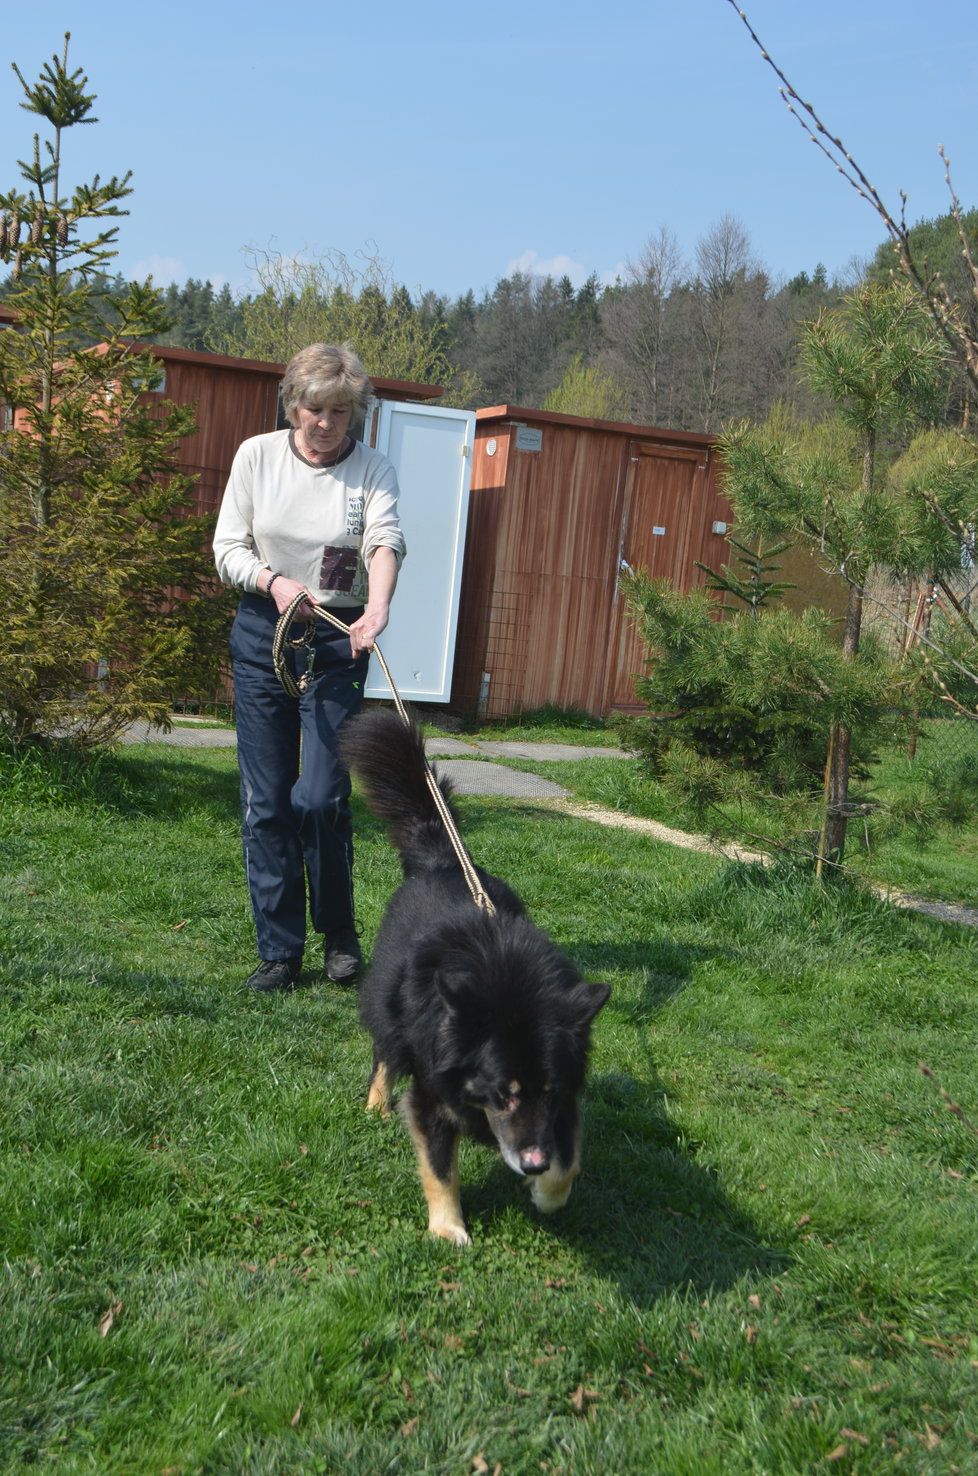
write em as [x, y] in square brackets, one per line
[318, 525]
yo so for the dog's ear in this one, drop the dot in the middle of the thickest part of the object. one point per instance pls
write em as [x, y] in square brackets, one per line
[588, 999]
[451, 984]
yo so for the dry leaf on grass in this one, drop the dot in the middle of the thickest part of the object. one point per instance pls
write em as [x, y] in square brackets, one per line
[840, 1452]
[853, 1435]
[754, 1301]
[294, 1422]
[582, 1398]
[107, 1319]
[409, 1427]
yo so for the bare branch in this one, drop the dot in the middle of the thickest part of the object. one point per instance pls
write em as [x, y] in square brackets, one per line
[945, 312]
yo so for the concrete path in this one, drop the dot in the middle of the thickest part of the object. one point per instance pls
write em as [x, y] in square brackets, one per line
[476, 776]
[458, 759]
[182, 737]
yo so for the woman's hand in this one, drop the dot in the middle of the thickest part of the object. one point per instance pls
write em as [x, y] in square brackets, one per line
[285, 590]
[364, 632]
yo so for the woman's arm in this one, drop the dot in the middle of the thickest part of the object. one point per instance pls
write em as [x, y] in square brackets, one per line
[381, 582]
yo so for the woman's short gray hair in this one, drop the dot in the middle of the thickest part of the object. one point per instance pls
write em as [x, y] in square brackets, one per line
[325, 374]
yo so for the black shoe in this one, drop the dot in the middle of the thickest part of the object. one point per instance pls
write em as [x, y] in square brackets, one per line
[342, 958]
[274, 973]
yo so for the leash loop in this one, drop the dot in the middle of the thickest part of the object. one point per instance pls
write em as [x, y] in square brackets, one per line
[282, 641]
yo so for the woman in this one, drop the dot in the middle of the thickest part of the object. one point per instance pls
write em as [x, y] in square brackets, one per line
[306, 511]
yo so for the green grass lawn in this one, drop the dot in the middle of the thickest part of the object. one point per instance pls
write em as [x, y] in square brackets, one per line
[541, 725]
[908, 844]
[214, 1261]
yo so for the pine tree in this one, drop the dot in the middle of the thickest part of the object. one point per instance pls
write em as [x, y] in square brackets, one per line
[877, 359]
[89, 544]
[752, 589]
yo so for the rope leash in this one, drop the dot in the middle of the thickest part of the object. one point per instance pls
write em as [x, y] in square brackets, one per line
[283, 641]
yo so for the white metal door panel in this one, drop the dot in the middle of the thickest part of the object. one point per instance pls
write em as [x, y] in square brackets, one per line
[431, 448]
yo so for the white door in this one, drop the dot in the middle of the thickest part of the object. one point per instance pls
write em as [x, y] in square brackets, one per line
[431, 449]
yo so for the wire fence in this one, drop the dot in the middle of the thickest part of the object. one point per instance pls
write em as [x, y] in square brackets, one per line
[217, 703]
[904, 616]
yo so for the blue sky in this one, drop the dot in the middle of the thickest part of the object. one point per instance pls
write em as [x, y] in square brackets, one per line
[459, 141]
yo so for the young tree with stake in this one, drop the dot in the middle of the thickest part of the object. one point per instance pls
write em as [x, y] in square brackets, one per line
[878, 360]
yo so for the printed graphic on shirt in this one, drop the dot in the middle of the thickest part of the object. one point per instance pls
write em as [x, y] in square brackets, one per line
[354, 516]
[339, 569]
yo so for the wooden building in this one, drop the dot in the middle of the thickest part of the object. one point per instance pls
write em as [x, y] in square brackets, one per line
[559, 505]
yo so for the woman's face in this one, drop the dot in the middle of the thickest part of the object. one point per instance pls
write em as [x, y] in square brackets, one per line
[323, 428]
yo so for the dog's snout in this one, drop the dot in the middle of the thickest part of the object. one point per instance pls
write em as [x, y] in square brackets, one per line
[534, 1160]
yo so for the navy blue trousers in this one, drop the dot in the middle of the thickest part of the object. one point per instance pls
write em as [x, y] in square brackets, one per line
[295, 793]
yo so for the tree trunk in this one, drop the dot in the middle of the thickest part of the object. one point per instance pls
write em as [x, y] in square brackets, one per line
[922, 628]
[835, 817]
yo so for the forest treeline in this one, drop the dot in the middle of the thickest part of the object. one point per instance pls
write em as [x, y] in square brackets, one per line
[686, 341]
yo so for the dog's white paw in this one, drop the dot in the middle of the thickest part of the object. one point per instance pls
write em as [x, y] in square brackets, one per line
[452, 1230]
[552, 1196]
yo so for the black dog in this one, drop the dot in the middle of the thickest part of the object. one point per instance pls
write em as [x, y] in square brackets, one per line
[484, 1015]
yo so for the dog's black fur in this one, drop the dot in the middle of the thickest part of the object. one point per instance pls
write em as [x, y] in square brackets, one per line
[486, 1017]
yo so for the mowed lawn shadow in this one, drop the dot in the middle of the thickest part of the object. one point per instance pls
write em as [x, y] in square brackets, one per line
[643, 1214]
[162, 782]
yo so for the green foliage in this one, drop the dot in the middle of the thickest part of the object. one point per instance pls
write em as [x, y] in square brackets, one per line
[588, 390]
[877, 358]
[936, 246]
[917, 521]
[89, 540]
[933, 493]
[63, 774]
[330, 300]
[758, 695]
[198, 316]
[751, 589]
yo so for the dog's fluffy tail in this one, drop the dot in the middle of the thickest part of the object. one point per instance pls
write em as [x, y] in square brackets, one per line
[387, 757]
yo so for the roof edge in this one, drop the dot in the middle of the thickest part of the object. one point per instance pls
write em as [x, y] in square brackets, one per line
[525, 413]
[171, 353]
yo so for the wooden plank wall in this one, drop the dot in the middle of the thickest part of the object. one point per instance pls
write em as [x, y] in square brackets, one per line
[540, 557]
[232, 404]
[674, 490]
[540, 612]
